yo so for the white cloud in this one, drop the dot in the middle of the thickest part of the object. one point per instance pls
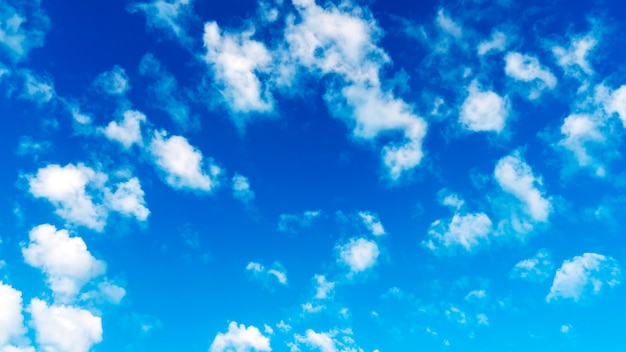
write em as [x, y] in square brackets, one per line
[359, 254]
[72, 189]
[573, 59]
[36, 88]
[65, 260]
[66, 188]
[294, 222]
[372, 223]
[537, 268]
[11, 318]
[584, 275]
[448, 25]
[323, 342]
[580, 133]
[527, 68]
[170, 16]
[464, 230]
[164, 92]
[241, 189]
[617, 104]
[23, 27]
[128, 131]
[483, 111]
[128, 199]
[310, 308]
[496, 43]
[516, 177]
[240, 339]
[113, 82]
[456, 315]
[453, 200]
[107, 292]
[64, 328]
[236, 61]
[323, 288]
[276, 272]
[566, 328]
[183, 164]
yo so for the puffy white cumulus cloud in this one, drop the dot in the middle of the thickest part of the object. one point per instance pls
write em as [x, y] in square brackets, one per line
[580, 133]
[464, 230]
[483, 111]
[240, 339]
[81, 196]
[372, 223]
[183, 164]
[323, 287]
[583, 275]
[11, 318]
[128, 131]
[236, 60]
[359, 254]
[516, 177]
[294, 222]
[331, 341]
[113, 82]
[323, 342]
[573, 59]
[527, 68]
[170, 16]
[66, 188]
[260, 272]
[23, 27]
[128, 199]
[374, 112]
[241, 189]
[616, 104]
[65, 260]
[63, 328]
[537, 268]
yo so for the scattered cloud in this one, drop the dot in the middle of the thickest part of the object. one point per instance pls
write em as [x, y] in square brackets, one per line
[526, 68]
[11, 319]
[182, 164]
[496, 43]
[65, 260]
[268, 275]
[583, 276]
[240, 338]
[128, 131]
[467, 231]
[64, 328]
[372, 223]
[574, 58]
[241, 189]
[359, 254]
[324, 289]
[294, 222]
[23, 27]
[483, 111]
[113, 82]
[169, 16]
[538, 268]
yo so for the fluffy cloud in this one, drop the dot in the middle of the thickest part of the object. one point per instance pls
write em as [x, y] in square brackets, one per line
[496, 43]
[516, 177]
[583, 275]
[483, 111]
[527, 68]
[11, 319]
[294, 222]
[241, 189]
[359, 254]
[128, 199]
[65, 260]
[72, 189]
[323, 288]
[464, 230]
[113, 82]
[64, 328]
[537, 268]
[573, 59]
[182, 164]
[331, 341]
[319, 341]
[616, 104]
[240, 339]
[236, 61]
[36, 88]
[66, 188]
[260, 272]
[23, 27]
[170, 16]
[128, 131]
[581, 132]
[372, 223]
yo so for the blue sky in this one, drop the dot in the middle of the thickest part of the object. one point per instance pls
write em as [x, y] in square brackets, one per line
[281, 175]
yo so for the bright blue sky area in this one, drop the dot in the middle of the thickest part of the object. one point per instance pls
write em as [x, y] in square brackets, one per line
[284, 175]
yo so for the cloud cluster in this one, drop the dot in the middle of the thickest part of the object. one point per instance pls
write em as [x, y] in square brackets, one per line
[240, 338]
